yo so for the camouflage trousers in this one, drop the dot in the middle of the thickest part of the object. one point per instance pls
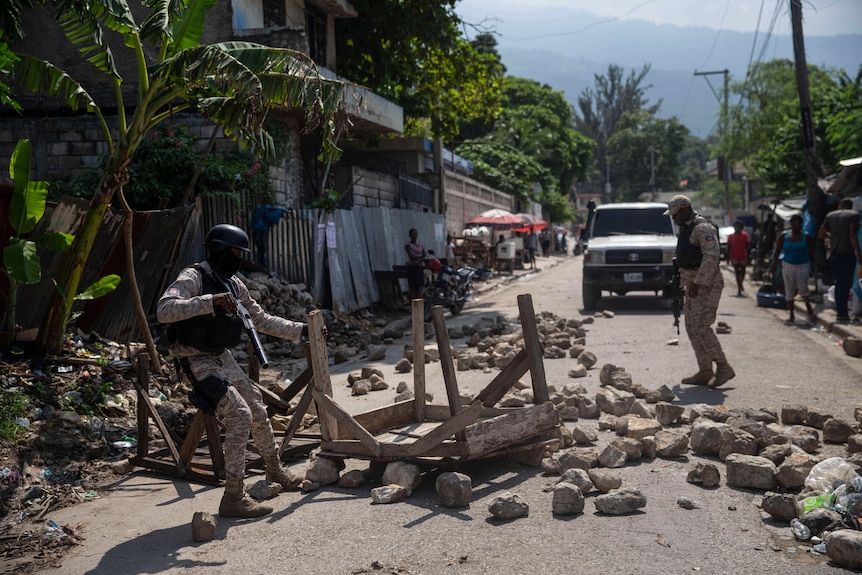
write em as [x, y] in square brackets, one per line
[700, 314]
[240, 410]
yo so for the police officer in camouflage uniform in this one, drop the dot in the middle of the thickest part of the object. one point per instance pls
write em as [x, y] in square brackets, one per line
[698, 257]
[201, 311]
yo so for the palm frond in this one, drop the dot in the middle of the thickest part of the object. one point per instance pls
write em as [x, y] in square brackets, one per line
[210, 71]
[188, 27]
[44, 78]
[82, 24]
[157, 27]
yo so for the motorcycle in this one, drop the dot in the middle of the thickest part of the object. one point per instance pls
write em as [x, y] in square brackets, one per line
[450, 288]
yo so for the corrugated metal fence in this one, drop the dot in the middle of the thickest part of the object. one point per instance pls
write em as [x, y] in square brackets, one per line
[359, 242]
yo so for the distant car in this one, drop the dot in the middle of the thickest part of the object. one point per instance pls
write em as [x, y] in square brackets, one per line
[629, 247]
[722, 240]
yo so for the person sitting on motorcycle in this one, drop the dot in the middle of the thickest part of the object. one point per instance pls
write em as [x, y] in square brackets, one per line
[416, 255]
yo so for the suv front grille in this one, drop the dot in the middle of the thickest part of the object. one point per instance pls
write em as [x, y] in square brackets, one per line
[633, 257]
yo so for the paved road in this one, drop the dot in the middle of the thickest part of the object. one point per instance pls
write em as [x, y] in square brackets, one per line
[143, 526]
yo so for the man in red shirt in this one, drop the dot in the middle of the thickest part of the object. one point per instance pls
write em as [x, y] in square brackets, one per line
[738, 248]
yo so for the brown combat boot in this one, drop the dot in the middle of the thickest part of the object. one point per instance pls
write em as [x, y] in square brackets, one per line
[702, 377]
[284, 477]
[236, 503]
[723, 374]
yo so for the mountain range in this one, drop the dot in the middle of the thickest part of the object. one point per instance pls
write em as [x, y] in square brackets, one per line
[539, 47]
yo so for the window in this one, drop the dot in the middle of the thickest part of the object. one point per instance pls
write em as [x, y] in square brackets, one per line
[315, 26]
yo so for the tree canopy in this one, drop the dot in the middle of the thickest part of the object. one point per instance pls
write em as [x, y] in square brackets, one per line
[766, 127]
[646, 150]
[532, 150]
[599, 111]
[412, 53]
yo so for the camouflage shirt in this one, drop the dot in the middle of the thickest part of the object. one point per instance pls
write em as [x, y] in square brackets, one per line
[183, 299]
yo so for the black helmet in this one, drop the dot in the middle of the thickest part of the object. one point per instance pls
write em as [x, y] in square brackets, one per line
[224, 236]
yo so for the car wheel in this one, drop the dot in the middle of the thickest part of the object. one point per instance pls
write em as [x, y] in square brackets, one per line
[592, 295]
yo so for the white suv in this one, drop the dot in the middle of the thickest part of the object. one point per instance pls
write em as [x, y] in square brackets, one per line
[629, 247]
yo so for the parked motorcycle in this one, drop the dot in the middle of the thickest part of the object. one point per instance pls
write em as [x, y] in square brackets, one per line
[449, 288]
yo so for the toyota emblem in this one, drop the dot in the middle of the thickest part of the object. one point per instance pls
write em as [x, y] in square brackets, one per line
[633, 257]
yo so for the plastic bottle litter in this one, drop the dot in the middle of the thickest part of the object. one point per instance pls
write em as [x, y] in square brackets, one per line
[23, 422]
[800, 530]
[52, 532]
[820, 547]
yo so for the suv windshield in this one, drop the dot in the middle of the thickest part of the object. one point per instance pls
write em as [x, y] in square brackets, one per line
[619, 222]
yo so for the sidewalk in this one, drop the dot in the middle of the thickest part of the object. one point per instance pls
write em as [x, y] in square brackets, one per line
[501, 279]
[826, 317]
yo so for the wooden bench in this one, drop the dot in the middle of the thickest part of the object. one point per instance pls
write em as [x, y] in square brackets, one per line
[387, 281]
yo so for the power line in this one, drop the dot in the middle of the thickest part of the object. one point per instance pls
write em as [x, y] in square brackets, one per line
[717, 34]
[585, 28]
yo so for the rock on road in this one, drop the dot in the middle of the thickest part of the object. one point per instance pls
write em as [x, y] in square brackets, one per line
[143, 525]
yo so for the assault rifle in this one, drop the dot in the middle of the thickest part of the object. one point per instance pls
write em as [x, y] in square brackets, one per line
[677, 295]
[247, 322]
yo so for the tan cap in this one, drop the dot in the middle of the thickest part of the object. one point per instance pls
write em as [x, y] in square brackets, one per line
[677, 203]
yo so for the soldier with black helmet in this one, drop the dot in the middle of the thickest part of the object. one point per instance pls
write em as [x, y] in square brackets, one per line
[202, 314]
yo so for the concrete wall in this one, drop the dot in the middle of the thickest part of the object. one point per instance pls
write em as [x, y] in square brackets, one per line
[368, 189]
[466, 198]
[64, 147]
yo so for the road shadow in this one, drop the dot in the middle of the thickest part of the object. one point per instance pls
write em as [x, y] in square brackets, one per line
[157, 552]
[635, 305]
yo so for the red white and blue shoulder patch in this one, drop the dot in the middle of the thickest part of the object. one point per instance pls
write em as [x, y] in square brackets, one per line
[709, 238]
[173, 292]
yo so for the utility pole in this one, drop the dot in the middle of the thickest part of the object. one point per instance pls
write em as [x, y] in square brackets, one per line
[723, 164]
[813, 169]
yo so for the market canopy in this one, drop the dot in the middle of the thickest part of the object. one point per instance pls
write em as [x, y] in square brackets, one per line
[496, 218]
[530, 221]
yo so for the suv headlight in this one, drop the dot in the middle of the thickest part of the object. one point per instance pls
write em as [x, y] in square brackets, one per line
[667, 256]
[594, 257]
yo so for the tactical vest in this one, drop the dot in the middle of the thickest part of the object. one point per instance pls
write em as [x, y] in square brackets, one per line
[210, 333]
[688, 255]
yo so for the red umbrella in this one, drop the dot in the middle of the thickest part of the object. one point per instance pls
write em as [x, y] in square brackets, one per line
[495, 218]
[530, 221]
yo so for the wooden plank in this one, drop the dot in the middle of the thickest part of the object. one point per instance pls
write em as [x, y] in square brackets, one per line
[297, 385]
[441, 412]
[320, 367]
[214, 445]
[377, 420]
[416, 429]
[193, 437]
[418, 311]
[452, 427]
[504, 381]
[446, 362]
[144, 359]
[166, 468]
[348, 448]
[534, 348]
[344, 419]
[296, 418]
[497, 432]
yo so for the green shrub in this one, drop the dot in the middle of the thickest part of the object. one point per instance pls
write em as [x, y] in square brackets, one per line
[13, 404]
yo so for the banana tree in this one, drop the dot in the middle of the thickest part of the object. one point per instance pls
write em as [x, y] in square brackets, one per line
[234, 84]
[20, 260]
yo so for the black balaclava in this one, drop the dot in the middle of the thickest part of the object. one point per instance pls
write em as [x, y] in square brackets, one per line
[224, 262]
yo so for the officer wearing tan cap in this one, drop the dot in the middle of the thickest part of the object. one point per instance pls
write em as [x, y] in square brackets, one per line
[698, 257]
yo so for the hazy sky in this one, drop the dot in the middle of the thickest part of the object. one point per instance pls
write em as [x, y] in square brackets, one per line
[820, 17]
